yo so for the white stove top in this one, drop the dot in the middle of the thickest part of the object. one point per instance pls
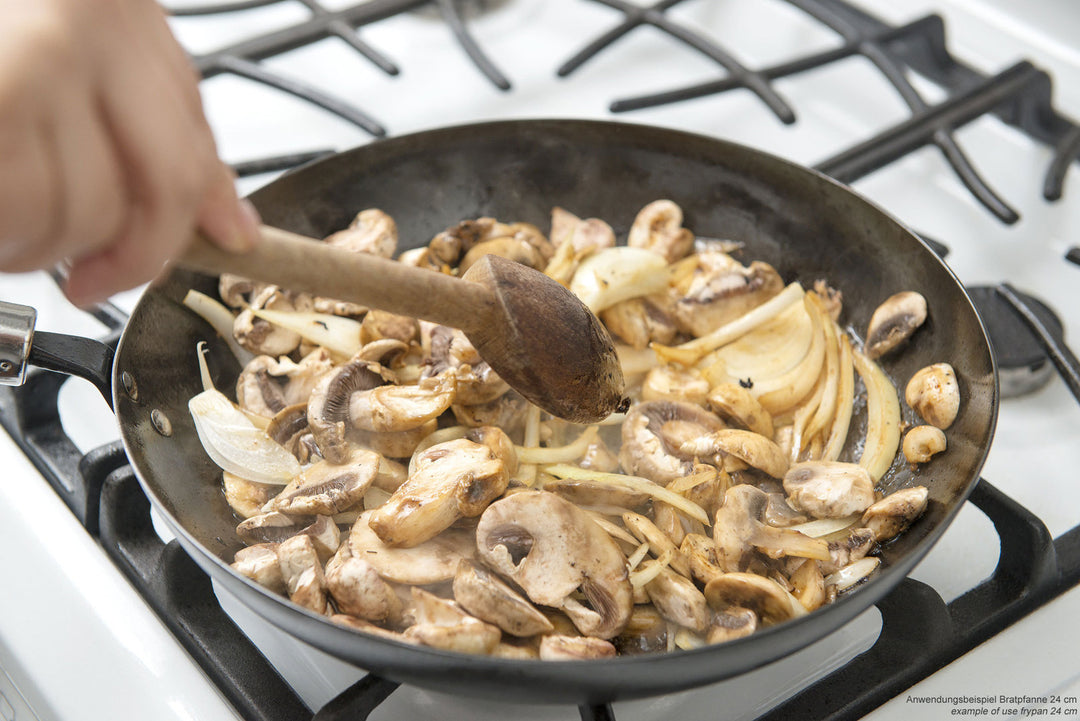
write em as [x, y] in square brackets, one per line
[78, 644]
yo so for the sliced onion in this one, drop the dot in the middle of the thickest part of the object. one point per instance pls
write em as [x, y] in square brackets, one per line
[769, 350]
[637, 556]
[631, 483]
[649, 570]
[691, 352]
[612, 275]
[612, 529]
[781, 393]
[221, 318]
[559, 454]
[339, 335]
[527, 471]
[845, 400]
[236, 445]
[825, 526]
[374, 497]
[852, 573]
[882, 417]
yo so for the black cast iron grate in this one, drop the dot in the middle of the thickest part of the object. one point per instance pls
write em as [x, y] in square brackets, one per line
[242, 58]
[1020, 95]
[920, 632]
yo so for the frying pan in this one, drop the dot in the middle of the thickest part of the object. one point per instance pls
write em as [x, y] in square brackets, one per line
[801, 222]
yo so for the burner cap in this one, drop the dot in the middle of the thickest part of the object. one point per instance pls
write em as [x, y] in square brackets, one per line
[1023, 365]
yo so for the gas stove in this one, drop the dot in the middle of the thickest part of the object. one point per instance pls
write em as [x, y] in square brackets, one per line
[99, 618]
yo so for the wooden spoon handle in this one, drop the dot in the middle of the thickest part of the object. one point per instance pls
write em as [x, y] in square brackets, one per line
[302, 264]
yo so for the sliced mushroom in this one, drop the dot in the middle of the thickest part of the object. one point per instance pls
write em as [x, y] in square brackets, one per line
[894, 321]
[658, 227]
[371, 231]
[551, 548]
[359, 624]
[476, 381]
[328, 406]
[754, 449]
[433, 561]
[485, 596]
[765, 597]
[734, 403]
[722, 289]
[271, 527]
[858, 543]
[442, 624]
[246, 497]
[257, 391]
[236, 291]
[262, 337]
[584, 235]
[922, 443]
[303, 573]
[829, 489]
[679, 600]
[738, 530]
[393, 408]
[511, 247]
[288, 426]
[731, 623]
[359, 590]
[574, 648]
[808, 585]
[395, 444]
[507, 412]
[653, 434]
[891, 516]
[260, 564]
[592, 493]
[668, 383]
[640, 321]
[499, 443]
[934, 394]
[701, 555]
[452, 480]
[329, 488]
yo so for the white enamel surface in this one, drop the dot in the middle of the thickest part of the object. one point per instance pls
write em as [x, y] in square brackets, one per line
[80, 646]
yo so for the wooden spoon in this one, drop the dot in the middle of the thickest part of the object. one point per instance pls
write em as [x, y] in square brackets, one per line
[531, 330]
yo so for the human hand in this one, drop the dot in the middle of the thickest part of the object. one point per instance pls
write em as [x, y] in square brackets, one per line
[106, 158]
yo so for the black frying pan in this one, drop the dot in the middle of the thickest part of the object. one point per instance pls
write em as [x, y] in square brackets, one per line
[803, 223]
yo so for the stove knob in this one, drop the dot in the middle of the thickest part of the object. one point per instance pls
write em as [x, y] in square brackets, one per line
[16, 332]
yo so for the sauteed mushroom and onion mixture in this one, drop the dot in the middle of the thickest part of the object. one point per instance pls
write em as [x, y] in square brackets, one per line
[384, 476]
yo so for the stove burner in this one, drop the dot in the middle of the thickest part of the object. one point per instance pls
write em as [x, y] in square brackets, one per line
[1023, 365]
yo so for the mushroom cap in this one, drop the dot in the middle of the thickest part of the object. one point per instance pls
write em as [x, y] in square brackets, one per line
[679, 600]
[551, 548]
[329, 488]
[432, 561]
[895, 512]
[752, 448]
[894, 321]
[452, 479]
[652, 436]
[934, 394]
[761, 595]
[829, 489]
[486, 596]
[731, 623]
[574, 648]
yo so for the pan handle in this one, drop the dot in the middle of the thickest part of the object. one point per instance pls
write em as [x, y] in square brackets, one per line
[21, 347]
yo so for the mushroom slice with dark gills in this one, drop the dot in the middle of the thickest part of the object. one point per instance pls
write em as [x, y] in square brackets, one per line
[328, 406]
[551, 549]
[484, 595]
[653, 434]
[739, 530]
[765, 597]
[267, 385]
[894, 321]
[433, 561]
[288, 427]
[245, 497]
[451, 480]
[275, 527]
[328, 488]
[720, 290]
[359, 590]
